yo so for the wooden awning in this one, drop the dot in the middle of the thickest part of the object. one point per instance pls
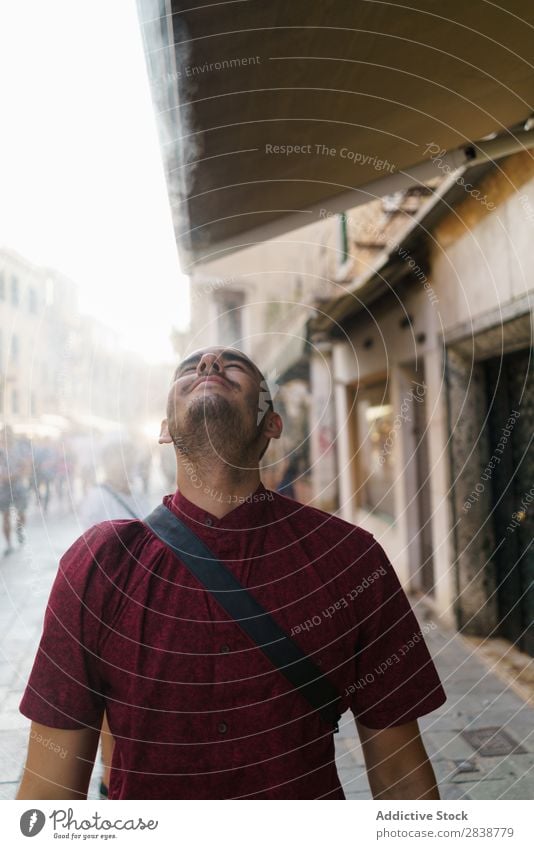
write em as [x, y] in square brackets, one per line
[270, 112]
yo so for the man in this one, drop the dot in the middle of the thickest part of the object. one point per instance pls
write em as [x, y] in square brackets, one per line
[195, 707]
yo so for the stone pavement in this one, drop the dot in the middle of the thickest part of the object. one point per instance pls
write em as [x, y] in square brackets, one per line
[477, 699]
[26, 577]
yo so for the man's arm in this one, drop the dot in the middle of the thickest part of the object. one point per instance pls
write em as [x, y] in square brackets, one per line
[397, 762]
[59, 763]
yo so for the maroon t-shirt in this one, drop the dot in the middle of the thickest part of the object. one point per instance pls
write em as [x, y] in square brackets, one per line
[196, 709]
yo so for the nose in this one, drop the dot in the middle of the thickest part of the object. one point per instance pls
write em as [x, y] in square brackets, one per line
[208, 363]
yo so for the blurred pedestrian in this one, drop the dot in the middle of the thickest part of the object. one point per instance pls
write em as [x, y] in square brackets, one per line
[82, 447]
[14, 469]
[168, 467]
[113, 497]
[285, 487]
[143, 464]
[45, 461]
[65, 473]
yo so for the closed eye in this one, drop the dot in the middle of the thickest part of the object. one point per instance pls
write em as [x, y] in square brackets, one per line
[183, 371]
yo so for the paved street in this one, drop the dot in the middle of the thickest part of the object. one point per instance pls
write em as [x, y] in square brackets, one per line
[477, 699]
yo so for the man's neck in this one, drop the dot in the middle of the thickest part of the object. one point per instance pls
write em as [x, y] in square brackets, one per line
[217, 489]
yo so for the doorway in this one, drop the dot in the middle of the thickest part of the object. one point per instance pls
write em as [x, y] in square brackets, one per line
[510, 392]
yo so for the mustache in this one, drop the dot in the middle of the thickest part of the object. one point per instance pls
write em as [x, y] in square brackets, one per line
[222, 377]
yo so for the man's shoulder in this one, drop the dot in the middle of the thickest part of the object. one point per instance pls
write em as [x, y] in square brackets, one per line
[305, 516]
[111, 534]
[107, 546]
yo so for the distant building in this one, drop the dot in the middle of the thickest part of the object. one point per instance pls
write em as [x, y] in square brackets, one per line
[38, 309]
[60, 369]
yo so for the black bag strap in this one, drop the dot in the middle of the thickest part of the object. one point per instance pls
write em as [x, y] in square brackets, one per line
[249, 614]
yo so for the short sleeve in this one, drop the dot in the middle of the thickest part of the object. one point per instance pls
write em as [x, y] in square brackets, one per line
[64, 689]
[395, 678]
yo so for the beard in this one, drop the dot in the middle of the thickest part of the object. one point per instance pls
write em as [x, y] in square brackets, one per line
[213, 429]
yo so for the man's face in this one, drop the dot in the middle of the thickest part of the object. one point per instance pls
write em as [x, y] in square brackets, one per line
[215, 394]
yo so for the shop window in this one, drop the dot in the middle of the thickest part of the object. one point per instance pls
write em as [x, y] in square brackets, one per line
[32, 300]
[15, 291]
[15, 350]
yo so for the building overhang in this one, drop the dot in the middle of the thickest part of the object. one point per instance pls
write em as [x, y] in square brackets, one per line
[272, 112]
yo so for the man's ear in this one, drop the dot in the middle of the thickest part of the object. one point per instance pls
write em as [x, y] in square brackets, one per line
[272, 429]
[273, 426]
[164, 435]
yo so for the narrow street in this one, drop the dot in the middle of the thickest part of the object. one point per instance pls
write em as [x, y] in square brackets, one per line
[477, 699]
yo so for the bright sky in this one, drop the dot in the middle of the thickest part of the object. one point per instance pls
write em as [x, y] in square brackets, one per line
[82, 187]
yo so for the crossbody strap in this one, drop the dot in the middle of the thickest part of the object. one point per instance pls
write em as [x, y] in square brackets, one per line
[249, 614]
